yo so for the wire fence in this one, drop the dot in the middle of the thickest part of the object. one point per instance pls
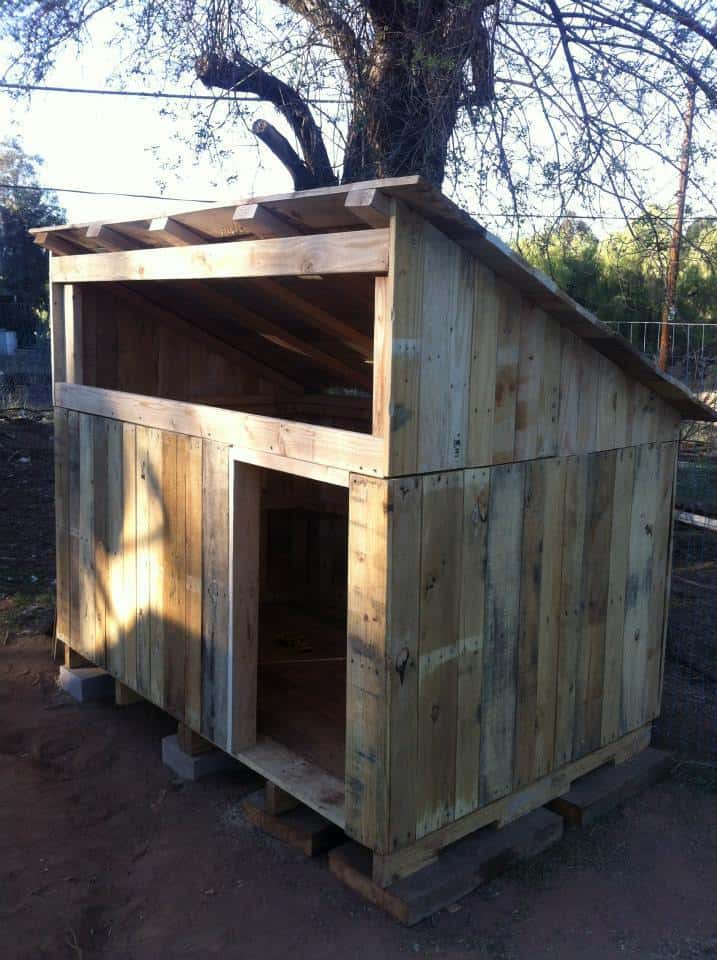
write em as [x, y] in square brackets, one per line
[692, 354]
[688, 722]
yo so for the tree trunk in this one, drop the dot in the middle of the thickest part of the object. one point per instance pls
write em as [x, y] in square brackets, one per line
[404, 112]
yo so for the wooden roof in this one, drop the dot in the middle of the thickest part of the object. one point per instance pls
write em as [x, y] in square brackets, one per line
[324, 210]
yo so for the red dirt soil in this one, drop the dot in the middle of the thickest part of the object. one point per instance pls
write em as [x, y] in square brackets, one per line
[104, 854]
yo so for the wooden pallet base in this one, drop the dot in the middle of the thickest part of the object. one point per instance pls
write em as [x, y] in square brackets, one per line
[125, 696]
[600, 791]
[300, 827]
[388, 868]
[457, 871]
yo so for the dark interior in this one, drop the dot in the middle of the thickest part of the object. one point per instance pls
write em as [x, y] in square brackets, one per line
[302, 618]
[298, 349]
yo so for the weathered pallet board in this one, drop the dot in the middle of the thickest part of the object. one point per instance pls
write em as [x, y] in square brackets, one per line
[143, 562]
[479, 374]
[493, 617]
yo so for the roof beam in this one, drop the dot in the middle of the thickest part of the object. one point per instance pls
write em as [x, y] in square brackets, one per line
[255, 218]
[59, 246]
[108, 238]
[319, 318]
[172, 233]
[233, 308]
[369, 205]
[209, 340]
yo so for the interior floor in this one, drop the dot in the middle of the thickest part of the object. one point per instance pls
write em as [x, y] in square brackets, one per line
[302, 685]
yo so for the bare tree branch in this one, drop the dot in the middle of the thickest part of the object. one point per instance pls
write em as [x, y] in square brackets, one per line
[239, 74]
[282, 149]
[336, 30]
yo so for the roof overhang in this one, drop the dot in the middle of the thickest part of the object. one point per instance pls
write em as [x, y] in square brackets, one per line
[326, 210]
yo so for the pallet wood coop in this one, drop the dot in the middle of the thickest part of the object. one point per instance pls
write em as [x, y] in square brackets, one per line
[362, 499]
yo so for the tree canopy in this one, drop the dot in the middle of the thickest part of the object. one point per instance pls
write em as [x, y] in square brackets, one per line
[621, 278]
[549, 97]
[23, 265]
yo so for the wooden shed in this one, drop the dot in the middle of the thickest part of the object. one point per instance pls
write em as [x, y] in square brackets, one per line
[361, 498]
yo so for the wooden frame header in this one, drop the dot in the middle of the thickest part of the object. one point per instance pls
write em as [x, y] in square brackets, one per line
[284, 441]
[358, 251]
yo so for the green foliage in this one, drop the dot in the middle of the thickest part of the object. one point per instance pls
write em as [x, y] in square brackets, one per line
[23, 265]
[622, 277]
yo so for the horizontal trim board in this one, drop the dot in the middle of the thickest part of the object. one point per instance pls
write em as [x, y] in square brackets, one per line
[341, 449]
[357, 251]
[297, 468]
[318, 789]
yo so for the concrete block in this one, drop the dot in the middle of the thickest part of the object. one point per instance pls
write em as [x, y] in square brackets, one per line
[87, 683]
[194, 767]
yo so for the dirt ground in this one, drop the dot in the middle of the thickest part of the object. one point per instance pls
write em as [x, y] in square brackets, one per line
[104, 854]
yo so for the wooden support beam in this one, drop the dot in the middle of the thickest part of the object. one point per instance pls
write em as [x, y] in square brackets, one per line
[317, 317]
[70, 317]
[244, 539]
[190, 742]
[474, 860]
[258, 220]
[109, 239]
[57, 245]
[417, 855]
[124, 695]
[172, 233]
[600, 791]
[319, 790]
[369, 205]
[74, 660]
[359, 251]
[235, 310]
[294, 824]
[342, 449]
[278, 801]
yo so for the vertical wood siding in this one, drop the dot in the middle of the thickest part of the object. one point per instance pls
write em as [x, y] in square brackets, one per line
[479, 375]
[503, 622]
[143, 562]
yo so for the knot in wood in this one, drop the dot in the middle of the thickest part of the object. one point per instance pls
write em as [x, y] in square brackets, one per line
[402, 658]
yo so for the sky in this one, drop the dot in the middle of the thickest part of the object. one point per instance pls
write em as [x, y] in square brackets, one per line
[125, 144]
[118, 144]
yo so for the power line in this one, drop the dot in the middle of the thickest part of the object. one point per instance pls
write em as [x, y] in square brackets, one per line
[478, 214]
[100, 193]
[149, 94]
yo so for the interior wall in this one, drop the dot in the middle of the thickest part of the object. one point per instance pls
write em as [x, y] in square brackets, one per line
[135, 350]
[141, 345]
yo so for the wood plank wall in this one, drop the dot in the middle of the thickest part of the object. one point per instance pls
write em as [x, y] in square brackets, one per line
[143, 564]
[158, 355]
[502, 622]
[474, 374]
